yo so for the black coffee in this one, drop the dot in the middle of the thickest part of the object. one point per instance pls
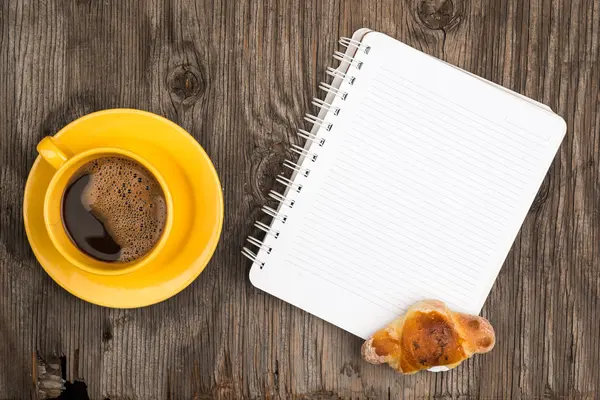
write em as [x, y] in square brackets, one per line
[114, 210]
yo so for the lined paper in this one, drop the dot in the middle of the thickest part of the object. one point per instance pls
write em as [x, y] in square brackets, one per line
[418, 193]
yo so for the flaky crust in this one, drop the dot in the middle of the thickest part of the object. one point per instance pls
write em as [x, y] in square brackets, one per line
[429, 335]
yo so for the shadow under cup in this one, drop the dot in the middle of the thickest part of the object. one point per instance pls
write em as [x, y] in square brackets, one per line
[54, 221]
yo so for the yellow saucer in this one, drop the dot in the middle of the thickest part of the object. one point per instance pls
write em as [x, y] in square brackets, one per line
[196, 229]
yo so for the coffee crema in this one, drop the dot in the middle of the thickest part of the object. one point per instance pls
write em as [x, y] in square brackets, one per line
[114, 209]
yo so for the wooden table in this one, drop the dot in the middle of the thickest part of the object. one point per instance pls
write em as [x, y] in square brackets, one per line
[239, 75]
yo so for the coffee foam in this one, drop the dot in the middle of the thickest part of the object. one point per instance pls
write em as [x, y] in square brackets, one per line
[128, 201]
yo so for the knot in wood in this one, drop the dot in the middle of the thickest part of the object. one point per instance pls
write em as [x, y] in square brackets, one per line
[435, 14]
[186, 83]
[266, 165]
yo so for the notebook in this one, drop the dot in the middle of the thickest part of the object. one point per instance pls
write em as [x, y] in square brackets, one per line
[413, 183]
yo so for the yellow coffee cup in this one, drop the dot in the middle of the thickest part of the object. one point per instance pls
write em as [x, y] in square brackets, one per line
[66, 166]
[193, 196]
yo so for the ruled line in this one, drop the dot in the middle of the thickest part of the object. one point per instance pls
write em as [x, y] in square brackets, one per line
[359, 279]
[343, 231]
[391, 75]
[426, 244]
[433, 249]
[479, 131]
[401, 282]
[336, 282]
[450, 164]
[529, 132]
[420, 187]
[400, 119]
[392, 262]
[449, 209]
[450, 301]
[350, 281]
[424, 219]
[475, 190]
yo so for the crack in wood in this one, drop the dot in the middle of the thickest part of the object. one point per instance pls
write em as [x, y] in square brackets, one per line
[47, 376]
[50, 379]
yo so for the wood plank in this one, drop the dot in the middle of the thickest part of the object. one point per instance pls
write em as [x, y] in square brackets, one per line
[239, 76]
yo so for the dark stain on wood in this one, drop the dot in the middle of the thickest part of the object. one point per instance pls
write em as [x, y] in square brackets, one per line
[239, 76]
[107, 334]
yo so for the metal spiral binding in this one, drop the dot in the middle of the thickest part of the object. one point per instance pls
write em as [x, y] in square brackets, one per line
[303, 152]
[318, 121]
[259, 244]
[315, 121]
[336, 73]
[266, 229]
[295, 167]
[252, 256]
[289, 183]
[343, 57]
[273, 213]
[281, 198]
[326, 106]
[348, 42]
[310, 137]
[335, 91]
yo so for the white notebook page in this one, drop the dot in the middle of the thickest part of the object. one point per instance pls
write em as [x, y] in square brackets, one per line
[418, 192]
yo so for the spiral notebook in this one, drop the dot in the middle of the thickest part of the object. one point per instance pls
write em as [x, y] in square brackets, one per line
[414, 181]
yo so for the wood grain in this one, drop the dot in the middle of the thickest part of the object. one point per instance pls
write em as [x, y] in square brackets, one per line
[239, 76]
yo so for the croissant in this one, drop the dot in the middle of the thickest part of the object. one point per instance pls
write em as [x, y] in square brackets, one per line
[429, 335]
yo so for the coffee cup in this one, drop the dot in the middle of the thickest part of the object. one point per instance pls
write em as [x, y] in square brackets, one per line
[173, 163]
[66, 165]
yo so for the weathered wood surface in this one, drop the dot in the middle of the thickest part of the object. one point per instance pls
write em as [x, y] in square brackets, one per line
[238, 75]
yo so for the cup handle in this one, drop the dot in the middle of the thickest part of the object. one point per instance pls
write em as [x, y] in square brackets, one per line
[50, 151]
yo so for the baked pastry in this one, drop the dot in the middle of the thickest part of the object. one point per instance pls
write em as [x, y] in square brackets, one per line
[429, 335]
